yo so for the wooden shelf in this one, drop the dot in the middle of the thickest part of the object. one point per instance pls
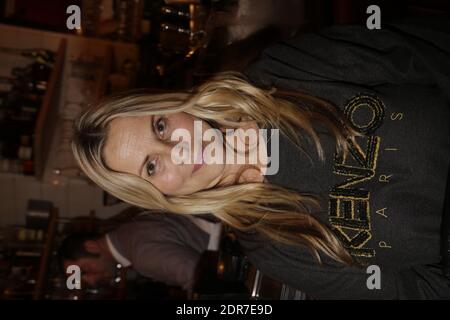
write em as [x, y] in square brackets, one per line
[47, 120]
[46, 256]
[71, 87]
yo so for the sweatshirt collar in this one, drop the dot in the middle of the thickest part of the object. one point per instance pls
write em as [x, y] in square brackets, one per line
[116, 254]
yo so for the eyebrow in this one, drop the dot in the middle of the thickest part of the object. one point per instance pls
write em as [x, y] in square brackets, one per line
[146, 157]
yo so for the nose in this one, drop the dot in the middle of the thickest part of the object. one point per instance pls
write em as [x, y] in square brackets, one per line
[178, 153]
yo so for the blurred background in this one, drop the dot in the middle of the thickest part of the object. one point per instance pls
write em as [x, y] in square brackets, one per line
[48, 74]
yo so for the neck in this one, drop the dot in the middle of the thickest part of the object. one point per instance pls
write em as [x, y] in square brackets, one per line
[239, 173]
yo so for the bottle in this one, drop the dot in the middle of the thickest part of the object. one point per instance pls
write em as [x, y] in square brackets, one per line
[174, 12]
[25, 150]
[25, 154]
[32, 78]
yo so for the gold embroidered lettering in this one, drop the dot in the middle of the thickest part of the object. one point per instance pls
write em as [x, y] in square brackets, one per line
[383, 244]
[384, 178]
[349, 207]
[374, 104]
[381, 212]
[396, 116]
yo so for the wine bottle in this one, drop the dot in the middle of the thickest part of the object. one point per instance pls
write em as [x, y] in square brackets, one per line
[41, 55]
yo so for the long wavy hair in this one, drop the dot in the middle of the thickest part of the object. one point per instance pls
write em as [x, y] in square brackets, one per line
[281, 214]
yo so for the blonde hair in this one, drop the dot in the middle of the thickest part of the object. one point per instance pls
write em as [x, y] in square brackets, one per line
[278, 213]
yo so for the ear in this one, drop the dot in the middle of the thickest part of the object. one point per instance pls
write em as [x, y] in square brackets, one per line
[92, 246]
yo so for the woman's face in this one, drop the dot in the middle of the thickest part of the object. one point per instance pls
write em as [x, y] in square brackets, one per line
[142, 146]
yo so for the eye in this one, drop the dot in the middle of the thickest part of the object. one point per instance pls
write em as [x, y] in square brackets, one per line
[151, 167]
[160, 127]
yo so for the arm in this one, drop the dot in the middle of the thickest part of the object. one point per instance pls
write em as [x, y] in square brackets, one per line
[162, 246]
[167, 262]
[295, 267]
[399, 53]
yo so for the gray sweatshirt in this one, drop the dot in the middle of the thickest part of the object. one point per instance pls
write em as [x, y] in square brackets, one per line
[385, 201]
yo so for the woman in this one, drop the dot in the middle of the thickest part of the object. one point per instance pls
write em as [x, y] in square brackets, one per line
[363, 158]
